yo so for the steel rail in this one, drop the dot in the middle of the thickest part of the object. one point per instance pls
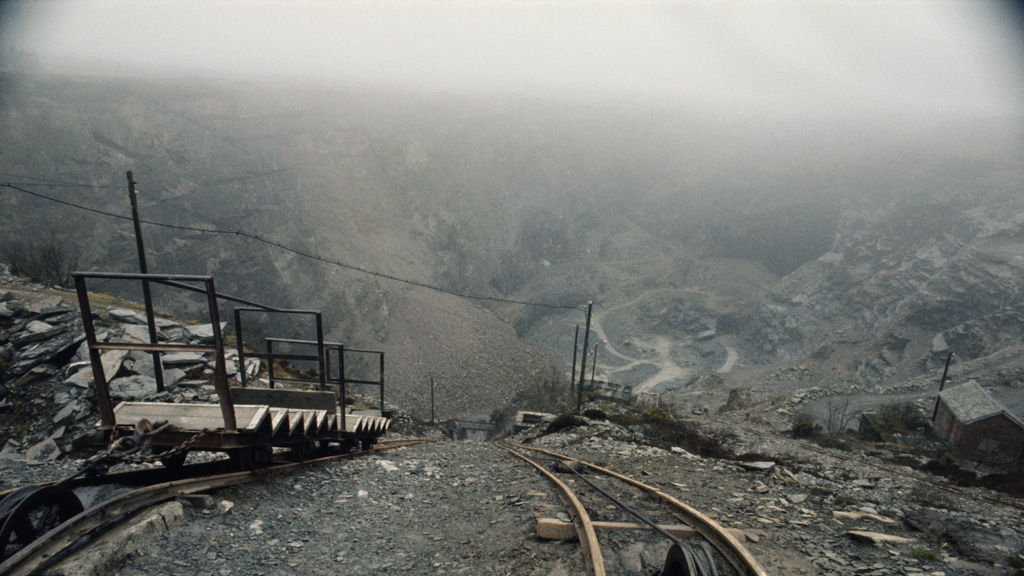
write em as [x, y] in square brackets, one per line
[585, 528]
[727, 544]
[147, 476]
[132, 477]
[32, 557]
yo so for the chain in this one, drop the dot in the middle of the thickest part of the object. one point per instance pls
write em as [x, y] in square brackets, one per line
[140, 458]
[129, 449]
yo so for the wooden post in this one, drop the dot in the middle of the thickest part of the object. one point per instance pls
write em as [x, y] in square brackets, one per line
[147, 296]
[220, 375]
[432, 399]
[583, 362]
[243, 376]
[270, 362]
[341, 377]
[381, 383]
[593, 368]
[575, 348]
[99, 379]
[321, 357]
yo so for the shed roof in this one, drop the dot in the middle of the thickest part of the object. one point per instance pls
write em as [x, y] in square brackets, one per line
[970, 402]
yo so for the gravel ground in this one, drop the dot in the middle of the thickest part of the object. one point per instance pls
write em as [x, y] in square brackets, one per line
[470, 508]
[792, 520]
[444, 508]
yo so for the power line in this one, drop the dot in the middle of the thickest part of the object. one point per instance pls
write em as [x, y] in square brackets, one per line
[110, 214]
[295, 251]
[39, 182]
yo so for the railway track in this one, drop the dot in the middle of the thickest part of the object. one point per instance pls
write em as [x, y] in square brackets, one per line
[684, 558]
[146, 488]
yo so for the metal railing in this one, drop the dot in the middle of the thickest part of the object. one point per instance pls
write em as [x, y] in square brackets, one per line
[341, 381]
[321, 357]
[271, 356]
[184, 282]
[379, 382]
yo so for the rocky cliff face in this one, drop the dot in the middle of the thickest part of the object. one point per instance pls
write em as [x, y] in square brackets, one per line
[704, 248]
[916, 281]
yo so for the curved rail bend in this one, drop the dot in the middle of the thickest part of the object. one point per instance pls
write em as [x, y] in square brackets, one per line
[732, 549]
[33, 556]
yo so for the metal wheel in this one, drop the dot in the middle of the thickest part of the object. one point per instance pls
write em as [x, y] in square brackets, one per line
[242, 458]
[32, 513]
[302, 451]
[250, 457]
[261, 455]
[689, 560]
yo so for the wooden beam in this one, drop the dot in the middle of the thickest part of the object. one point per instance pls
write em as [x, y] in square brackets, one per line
[552, 529]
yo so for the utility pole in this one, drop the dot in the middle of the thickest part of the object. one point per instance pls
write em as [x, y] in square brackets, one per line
[575, 348]
[432, 399]
[593, 368]
[583, 363]
[158, 371]
[942, 383]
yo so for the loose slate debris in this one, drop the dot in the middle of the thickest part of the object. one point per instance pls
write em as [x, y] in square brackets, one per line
[757, 466]
[48, 379]
[972, 538]
[877, 537]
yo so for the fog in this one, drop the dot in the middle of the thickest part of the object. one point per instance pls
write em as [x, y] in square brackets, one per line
[545, 152]
[775, 58]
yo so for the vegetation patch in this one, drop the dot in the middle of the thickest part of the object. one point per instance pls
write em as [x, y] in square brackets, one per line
[842, 501]
[925, 554]
[47, 259]
[565, 421]
[895, 418]
[803, 428]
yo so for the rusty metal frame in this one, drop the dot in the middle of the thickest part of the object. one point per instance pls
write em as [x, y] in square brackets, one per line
[380, 382]
[328, 347]
[270, 356]
[341, 380]
[182, 281]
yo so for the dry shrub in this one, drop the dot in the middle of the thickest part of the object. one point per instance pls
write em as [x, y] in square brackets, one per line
[805, 429]
[48, 258]
[657, 417]
[710, 443]
[565, 421]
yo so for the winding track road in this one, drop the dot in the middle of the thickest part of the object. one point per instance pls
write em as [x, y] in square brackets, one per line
[667, 368]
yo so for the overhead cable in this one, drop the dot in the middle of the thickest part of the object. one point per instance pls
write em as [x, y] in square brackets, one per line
[295, 251]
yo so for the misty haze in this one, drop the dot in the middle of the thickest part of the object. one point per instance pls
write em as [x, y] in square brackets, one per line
[774, 207]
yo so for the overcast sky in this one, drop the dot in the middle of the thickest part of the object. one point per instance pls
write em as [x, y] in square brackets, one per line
[781, 56]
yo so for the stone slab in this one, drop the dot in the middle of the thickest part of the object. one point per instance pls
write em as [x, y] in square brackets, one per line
[106, 553]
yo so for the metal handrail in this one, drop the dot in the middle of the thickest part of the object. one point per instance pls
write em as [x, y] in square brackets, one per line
[220, 378]
[270, 355]
[181, 281]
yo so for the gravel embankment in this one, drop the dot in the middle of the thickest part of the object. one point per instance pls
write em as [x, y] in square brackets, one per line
[467, 508]
[444, 508]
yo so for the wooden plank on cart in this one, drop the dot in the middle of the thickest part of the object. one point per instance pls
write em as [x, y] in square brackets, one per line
[353, 423]
[279, 422]
[310, 419]
[296, 424]
[186, 417]
[321, 421]
[285, 398]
